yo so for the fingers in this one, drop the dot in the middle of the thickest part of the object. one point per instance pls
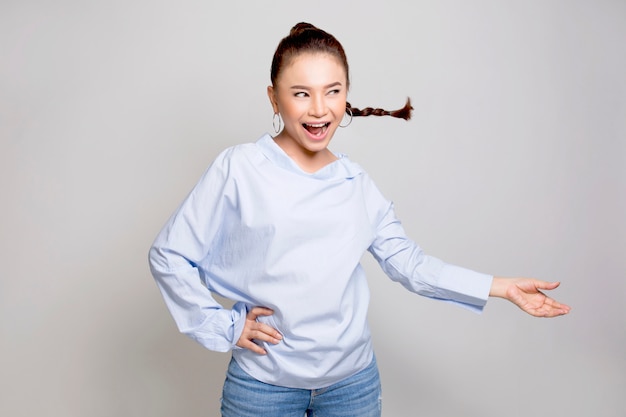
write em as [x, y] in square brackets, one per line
[557, 309]
[247, 344]
[527, 294]
[250, 345]
[549, 308]
[263, 332]
[552, 313]
[254, 330]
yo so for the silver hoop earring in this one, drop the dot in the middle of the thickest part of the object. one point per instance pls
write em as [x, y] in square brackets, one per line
[274, 123]
[349, 111]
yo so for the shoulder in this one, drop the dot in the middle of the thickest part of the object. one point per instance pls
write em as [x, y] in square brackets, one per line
[234, 153]
[233, 156]
[229, 164]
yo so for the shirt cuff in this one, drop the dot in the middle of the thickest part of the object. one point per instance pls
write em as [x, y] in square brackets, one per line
[464, 287]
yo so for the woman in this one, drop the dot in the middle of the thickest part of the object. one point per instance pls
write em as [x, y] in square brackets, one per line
[279, 226]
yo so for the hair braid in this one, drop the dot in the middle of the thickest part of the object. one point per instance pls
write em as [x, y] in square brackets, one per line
[403, 113]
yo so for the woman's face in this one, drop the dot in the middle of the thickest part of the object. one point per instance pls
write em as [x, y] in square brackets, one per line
[310, 95]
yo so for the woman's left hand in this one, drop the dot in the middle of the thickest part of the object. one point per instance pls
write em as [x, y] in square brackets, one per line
[526, 294]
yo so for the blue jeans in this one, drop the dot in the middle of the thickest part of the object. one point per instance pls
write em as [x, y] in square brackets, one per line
[356, 396]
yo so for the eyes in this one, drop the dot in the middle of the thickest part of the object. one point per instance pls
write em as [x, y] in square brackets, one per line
[304, 94]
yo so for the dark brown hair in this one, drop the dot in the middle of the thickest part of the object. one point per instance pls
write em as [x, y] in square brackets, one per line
[303, 38]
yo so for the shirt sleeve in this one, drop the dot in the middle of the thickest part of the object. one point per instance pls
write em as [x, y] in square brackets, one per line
[405, 262]
[174, 258]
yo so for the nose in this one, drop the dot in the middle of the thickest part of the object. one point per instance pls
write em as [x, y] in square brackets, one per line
[318, 106]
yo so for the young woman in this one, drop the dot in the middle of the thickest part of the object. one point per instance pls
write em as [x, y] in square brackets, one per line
[279, 227]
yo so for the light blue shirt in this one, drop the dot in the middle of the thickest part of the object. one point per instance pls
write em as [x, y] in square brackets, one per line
[260, 231]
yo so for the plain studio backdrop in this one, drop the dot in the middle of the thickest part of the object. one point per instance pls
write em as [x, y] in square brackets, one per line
[514, 164]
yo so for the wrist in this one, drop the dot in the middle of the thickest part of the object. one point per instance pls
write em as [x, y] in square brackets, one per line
[498, 287]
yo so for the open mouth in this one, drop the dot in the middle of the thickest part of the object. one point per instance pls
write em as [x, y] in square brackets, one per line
[316, 129]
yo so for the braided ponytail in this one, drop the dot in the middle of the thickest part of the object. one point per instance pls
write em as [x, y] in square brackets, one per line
[403, 113]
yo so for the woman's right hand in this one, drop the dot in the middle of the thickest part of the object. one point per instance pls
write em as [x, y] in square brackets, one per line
[254, 330]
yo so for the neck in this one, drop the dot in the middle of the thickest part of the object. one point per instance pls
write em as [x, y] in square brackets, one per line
[308, 161]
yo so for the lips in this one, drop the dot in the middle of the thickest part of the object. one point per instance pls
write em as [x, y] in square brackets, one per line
[316, 129]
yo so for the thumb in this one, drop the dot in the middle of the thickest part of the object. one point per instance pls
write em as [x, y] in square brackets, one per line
[547, 285]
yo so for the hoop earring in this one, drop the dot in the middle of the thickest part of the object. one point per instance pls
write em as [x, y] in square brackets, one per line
[349, 111]
[280, 122]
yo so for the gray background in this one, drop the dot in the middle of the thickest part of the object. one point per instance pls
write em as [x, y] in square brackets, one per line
[513, 165]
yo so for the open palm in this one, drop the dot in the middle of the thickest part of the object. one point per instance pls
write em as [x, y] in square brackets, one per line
[526, 294]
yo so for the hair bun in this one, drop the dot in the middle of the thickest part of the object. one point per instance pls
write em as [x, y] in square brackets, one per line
[301, 27]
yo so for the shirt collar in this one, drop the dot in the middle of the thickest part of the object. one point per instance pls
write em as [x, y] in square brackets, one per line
[342, 168]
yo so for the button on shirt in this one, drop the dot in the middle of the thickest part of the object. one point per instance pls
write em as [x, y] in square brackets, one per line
[260, 231]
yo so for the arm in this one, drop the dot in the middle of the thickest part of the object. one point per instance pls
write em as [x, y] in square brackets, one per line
[405, 262]
[526, 294]
[176, 258]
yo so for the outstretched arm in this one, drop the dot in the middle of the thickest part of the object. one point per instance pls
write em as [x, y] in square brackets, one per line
[526, 293]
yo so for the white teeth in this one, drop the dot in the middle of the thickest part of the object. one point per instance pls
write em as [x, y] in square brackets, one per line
[316, 125]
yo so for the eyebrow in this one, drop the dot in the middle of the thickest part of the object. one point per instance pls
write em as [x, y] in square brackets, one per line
[303, 87]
